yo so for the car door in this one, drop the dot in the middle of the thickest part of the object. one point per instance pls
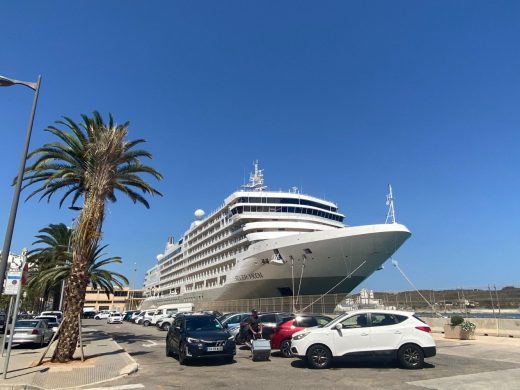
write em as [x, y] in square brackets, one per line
[176, 333]
[353, 337]
[386, 333]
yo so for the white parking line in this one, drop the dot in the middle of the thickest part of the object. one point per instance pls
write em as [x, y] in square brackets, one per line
[151, 343]
[122, 387]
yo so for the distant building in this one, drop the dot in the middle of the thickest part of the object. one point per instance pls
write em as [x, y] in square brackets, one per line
[121, 300]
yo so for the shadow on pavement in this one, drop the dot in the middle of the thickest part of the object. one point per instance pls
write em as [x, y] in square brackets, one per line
[368, 363]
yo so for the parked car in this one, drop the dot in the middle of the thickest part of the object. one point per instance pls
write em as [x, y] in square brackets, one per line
[233, 321]
[89, 314]
[146, 318]
[135, 315]
[283, 332]
[396, 334]
[269, 322]
[103, 314]
[115, 318]
[195, 336]
[3, 320]
[128, 315]
[52, 322]
[164, 310]
[34, 331]
[56, 313]
[166, 322]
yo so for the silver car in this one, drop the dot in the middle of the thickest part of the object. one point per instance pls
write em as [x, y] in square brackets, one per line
[35, 331]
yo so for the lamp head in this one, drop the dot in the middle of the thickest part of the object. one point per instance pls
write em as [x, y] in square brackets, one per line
[5, 82]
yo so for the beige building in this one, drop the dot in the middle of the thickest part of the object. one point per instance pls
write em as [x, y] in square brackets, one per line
[121, 300]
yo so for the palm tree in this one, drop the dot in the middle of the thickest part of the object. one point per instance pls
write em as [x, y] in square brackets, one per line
[51, 264]
[91, 161]
[56, 241]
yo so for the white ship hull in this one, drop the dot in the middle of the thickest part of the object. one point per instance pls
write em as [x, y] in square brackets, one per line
[327, 257]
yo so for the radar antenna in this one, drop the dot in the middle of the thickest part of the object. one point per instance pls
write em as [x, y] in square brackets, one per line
[256, 179]
[390, 216]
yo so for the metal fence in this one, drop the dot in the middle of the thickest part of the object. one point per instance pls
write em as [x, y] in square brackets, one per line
[465, 300]
[305, 303]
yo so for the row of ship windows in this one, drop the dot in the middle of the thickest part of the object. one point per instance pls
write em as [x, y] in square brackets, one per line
[205, 264]
[208, 226]
[303, 202]
[296, 210]
[204, 274]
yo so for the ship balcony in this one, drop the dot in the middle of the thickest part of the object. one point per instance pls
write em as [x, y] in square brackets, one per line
[202, 256]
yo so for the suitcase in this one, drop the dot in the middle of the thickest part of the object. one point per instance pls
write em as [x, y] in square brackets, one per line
[261, 349]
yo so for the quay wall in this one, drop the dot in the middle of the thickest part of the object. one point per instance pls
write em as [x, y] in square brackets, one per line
[501, 327]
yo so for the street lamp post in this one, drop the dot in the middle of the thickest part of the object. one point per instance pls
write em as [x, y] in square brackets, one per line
[6, 82]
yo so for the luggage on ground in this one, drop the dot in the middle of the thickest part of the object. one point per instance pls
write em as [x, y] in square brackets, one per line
[261, 349]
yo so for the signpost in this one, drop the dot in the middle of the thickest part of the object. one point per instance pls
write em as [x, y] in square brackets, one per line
[13, 286]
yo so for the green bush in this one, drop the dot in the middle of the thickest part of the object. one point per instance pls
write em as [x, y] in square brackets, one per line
[468, 326]
[456, 320]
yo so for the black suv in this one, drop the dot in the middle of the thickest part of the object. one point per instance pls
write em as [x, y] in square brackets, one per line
[199, 336]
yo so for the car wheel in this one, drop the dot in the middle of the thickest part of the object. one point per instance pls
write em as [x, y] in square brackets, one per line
[146, 323]
[165, 326]
[285, 348]
[411, 356]
[319, 356]
[182, 354]
[168, 349]
[97, 318]
[239, 340]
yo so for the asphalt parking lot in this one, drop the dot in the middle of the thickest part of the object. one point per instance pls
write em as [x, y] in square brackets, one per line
[489, 363]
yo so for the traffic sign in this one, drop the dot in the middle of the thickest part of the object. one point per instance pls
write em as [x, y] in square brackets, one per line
[13, 282]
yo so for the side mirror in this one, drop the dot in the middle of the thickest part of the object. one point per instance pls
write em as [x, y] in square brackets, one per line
[338, 326]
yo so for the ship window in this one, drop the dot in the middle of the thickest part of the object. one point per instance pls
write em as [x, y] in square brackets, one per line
[291, 209]
[284, 209]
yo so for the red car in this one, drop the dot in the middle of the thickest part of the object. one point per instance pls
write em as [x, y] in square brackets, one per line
[281, 338]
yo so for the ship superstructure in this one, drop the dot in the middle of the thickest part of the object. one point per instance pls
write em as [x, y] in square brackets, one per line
[261, 243]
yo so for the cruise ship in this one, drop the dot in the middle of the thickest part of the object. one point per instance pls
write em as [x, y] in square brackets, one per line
[262, 243]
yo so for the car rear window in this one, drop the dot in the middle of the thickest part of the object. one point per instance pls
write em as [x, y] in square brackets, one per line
[305, 322]
[268, 318]
[26, 324]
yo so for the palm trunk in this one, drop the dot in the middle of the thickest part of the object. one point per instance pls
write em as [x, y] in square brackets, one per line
[84, 241]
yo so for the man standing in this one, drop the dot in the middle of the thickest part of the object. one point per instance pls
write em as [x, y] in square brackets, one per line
[255, 326]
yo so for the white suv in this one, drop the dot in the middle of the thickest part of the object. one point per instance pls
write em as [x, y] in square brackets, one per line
[392, 333]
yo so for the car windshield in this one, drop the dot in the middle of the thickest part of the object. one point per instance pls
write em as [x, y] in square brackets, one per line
[202, 323]
[322, 321]
[115, 315]
[26, 324]
[50, 319]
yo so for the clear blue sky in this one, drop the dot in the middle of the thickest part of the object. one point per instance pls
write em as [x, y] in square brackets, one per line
[337, 97]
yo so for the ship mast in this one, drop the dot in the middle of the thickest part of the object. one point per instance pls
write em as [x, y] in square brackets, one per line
[256, 179]
[390, 216]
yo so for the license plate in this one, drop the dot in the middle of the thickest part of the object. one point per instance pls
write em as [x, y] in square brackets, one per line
[215, 349]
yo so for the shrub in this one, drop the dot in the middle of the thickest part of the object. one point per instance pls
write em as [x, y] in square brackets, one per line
[456, 320]
[468, 326]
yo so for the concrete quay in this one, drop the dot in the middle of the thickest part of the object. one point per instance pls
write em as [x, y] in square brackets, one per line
[104, 361]
[496, 327]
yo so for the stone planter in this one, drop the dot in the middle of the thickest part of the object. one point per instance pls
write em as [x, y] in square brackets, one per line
[467, 334]
[452, 332]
